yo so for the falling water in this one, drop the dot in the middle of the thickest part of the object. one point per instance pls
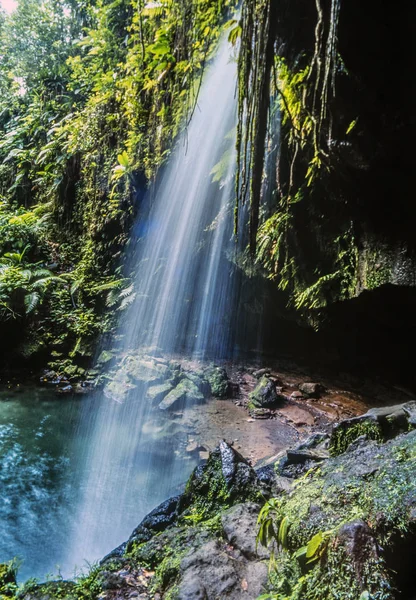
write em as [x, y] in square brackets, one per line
[184, 304]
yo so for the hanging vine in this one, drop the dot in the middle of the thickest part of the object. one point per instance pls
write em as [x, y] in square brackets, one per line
[302, 82]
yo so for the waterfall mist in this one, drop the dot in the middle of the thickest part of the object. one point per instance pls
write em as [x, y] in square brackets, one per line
[185, 300]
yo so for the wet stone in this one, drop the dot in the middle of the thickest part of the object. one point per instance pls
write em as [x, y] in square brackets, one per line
[314, 390]
[264, 395]
[186, 392]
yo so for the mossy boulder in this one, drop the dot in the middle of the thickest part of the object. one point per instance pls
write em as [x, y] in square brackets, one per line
[156, 393]
[52, 590]
[376, 424]
[264, 394]
[218, 380]
[349, 524]
[185, 393]
[225, 479]
[146, 370]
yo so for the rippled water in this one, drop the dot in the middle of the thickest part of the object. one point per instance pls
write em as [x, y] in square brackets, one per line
[43, 442]
[37, 477]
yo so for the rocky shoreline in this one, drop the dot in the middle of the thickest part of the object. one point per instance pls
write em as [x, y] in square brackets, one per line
[338, 521]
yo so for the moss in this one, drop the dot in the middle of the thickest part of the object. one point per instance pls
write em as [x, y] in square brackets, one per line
[56, 590]
[8, 572]
[346, 434]
[374, 484]
[218, 379]
[208, 490]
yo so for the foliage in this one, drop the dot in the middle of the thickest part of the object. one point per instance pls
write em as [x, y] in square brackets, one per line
[94, 95]
[314, 562]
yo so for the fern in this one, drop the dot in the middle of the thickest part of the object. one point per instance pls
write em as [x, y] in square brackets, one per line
[31, 302]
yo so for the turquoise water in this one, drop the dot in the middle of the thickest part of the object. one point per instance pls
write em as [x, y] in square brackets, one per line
[45, 440]
[38, 477]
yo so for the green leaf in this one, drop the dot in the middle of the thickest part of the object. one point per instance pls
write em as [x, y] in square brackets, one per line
[31, 302]
[123, 159]
[314, 545]
[283, 529]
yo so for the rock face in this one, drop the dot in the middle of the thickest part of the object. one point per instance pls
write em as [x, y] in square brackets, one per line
[213, 572]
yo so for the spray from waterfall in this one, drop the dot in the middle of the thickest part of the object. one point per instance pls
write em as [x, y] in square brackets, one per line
[185, 304]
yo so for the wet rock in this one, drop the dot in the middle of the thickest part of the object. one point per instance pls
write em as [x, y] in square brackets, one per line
[145, 370]
[297, 456]
[186, 392]
[105, 357]
[66, 389]
[240, 527]
[260, 372]
[359, 542]
[218, 380]
[410, 411]
[377, 424]
[226, 472]
[212, 573]
[316, 440]
[313, 390]
[115, 555]
[200, 381]
[297, 395]
[119, 388]
[193, 446]
[49, 376]
[156, 393]
[260, 413]
[264, 394]
[156, 521]
[50, 591]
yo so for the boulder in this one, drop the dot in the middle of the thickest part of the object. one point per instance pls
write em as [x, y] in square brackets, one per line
[212, 572]
[313, 390]
[199, 379]
[376, 424]
[66, 590]
[264, 394]
[260, 372]
[186, 392]
[145, 370]
[218, 380]
[240, 527]
[156, 521]
[156, 393]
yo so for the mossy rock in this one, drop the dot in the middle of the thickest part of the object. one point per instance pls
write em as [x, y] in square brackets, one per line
[52, 590]
[156, 393]
[218, 380]
[185, 393]
[355, 510]
[226, 479]
[264, 394]
[376, 424]
[144, 370]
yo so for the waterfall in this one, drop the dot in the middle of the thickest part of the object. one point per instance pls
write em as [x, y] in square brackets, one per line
[184, 304]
